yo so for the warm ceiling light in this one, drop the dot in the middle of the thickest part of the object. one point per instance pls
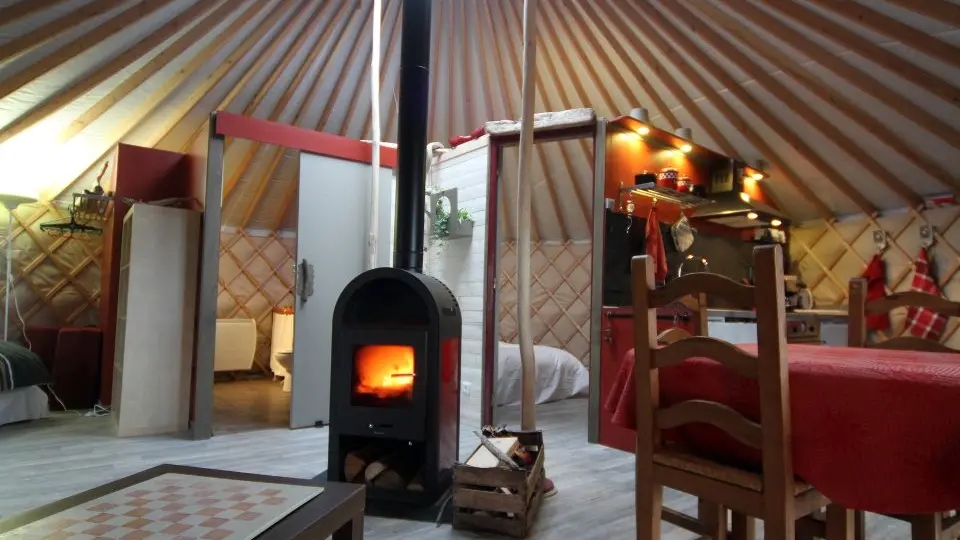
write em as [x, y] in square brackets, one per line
[644, 130]
[752, 215]
[757, 176]
[686, 148]
[776, 222]
[745, 197]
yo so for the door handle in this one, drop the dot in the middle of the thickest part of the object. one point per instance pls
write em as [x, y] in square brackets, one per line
[304, 280]
[607, 334]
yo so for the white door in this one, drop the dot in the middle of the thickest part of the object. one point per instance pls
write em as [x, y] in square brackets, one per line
[333, 217]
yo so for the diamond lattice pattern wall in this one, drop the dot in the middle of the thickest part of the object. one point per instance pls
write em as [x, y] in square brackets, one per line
[256, 275]
[560, 295]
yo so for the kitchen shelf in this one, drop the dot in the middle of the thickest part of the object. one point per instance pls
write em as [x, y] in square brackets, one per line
[653, 191]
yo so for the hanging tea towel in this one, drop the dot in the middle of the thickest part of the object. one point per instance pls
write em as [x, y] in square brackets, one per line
[922, 322]
[876, 276]
[654, 246]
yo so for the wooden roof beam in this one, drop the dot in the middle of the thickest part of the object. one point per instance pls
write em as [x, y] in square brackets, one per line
[820, 89]
[244, 164]
[278, 69]
[290, 190]
[858, 77]
[800, 107]
[894, 29]
[157, 63]
[652, 22]
[74, 90]
[13, 13]
[82, 43]
[938, 10]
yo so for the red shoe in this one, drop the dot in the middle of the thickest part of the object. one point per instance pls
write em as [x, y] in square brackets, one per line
[549, 488]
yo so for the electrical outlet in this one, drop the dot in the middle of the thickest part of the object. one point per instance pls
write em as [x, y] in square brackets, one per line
[465, 388]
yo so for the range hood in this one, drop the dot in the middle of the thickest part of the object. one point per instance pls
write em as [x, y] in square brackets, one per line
[734, 209]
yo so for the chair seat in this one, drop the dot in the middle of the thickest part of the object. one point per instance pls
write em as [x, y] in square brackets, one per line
[691, 463]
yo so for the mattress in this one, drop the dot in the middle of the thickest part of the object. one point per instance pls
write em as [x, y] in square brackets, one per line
[560, 375]
[21, 404]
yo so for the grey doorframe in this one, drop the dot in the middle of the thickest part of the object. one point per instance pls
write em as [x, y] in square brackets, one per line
[201, 427]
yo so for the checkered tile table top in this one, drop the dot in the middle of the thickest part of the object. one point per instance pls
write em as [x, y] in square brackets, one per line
[175, 506]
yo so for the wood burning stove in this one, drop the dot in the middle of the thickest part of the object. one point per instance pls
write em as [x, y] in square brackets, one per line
[395, 384]
[395, 375]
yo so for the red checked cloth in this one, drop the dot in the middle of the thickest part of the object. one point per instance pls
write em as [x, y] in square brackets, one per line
[875, 430]
[876, 276]
[922, 322]
[654, 246]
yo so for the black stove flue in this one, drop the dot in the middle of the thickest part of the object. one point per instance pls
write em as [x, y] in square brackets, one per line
[395, 375]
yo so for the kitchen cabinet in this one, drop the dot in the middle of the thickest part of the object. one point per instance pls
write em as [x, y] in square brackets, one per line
[617, 340]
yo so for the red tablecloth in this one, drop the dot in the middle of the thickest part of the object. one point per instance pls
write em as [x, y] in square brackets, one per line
[873, 430]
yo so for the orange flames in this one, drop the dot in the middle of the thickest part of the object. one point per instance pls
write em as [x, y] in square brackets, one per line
[385, 371]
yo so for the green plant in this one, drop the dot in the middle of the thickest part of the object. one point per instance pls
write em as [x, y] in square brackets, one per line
[441, 220]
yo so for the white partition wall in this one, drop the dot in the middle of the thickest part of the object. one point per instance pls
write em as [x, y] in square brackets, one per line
[460, 263]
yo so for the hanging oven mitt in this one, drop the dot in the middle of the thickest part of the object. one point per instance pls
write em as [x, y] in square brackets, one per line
[683, 233]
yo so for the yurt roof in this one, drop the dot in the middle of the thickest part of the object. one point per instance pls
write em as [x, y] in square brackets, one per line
[852, 105]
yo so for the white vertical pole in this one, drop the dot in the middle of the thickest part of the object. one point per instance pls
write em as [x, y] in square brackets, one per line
[375, 123]
[528, 400]
[8, 282]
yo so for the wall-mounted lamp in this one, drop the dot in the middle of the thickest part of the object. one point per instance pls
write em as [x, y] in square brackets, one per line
[685, 133]
[641, 114]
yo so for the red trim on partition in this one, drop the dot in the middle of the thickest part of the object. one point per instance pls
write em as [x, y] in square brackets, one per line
[490, 311]
[307, 140]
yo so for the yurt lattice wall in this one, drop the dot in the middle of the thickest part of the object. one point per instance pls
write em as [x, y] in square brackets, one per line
[560, 294]
[57, 279]
[828, 255]
[256, 276]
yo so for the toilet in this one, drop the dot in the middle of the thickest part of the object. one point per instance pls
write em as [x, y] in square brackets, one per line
[285, 358]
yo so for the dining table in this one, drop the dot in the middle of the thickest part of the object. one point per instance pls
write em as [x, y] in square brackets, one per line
[872, 429]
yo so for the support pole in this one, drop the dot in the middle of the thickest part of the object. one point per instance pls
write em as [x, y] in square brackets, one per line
[528, 402]
[373, 239]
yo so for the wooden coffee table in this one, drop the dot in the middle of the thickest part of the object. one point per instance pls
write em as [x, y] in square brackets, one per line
[336, 512]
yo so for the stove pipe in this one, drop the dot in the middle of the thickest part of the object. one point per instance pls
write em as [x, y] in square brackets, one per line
[412, 135]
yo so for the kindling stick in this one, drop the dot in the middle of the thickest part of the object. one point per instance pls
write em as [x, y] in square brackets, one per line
[528, 401]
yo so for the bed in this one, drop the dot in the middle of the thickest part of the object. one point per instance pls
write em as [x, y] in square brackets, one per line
[21, 374]
[560, 375]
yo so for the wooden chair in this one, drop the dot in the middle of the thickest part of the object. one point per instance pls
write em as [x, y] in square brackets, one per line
[774, 495]
[927, 527]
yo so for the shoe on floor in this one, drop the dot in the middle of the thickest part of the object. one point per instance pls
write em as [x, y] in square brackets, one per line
[549, 488]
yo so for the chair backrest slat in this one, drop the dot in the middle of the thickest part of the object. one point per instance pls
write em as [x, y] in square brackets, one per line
[738, 295]
[720, 351]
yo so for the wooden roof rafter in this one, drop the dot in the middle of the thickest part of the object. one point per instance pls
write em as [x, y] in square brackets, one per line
[318, 46]
[819, 88]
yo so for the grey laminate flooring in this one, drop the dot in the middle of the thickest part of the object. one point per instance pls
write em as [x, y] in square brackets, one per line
[46, 460]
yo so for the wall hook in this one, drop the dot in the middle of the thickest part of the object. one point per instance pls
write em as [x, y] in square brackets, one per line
[927, 233]
[880, 239]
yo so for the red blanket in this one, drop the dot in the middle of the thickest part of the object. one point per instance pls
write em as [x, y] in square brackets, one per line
[921, 322]
[876, 276]
[873, 430]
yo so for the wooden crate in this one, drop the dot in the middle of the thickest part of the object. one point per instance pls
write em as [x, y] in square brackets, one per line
[477, 507]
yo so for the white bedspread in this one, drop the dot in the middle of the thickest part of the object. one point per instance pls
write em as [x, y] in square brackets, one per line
[21, 404]
[560, 375]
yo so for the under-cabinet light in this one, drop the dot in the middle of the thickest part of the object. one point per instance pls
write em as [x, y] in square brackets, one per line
[752, 215]
[686, 148]
[644, 130]
[776, 222]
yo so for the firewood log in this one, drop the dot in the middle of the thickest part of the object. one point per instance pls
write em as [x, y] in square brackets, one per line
[391, 472]
[357, 461]
[417, 483]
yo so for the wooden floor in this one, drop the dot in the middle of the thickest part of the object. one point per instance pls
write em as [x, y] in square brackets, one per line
[46, 460]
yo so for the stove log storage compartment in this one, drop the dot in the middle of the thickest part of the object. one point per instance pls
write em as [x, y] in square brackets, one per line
[395, 386]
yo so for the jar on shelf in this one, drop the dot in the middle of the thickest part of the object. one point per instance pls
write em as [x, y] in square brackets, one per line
[667, 178]
[684, 184]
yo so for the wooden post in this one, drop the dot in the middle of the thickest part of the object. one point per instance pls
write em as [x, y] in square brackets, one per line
[525, 186]
[372, 239]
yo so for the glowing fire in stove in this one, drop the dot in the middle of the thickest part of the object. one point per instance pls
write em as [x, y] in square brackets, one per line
[385, 371]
